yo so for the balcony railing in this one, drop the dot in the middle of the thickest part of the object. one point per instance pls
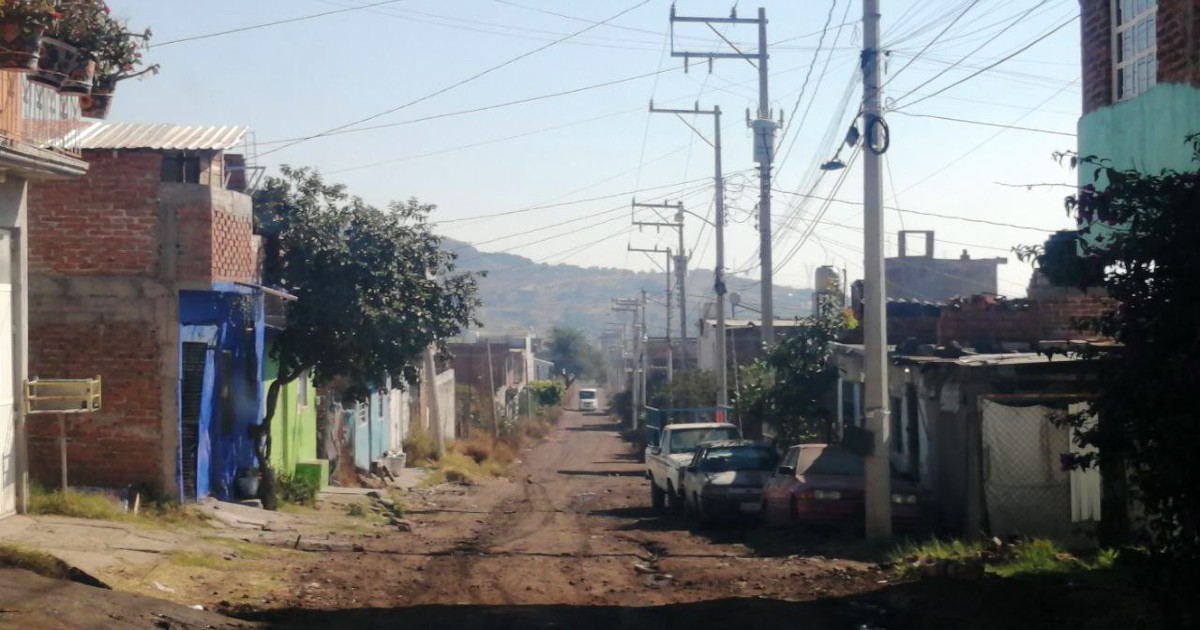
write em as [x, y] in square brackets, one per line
[36, 116]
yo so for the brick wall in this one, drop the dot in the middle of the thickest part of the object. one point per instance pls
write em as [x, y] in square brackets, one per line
[1178, 31]
[75, 332]
[1050, 313]
[105, 223]
[1096, 53]
[1178, 35]
[234, 247]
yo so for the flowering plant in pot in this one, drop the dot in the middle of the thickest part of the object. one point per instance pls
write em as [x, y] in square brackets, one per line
[70, 46]
[22, 23]
[118, 54]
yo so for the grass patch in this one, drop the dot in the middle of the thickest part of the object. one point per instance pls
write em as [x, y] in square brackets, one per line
[296, 490]
[77, 504]
[357, 510]
[74, 504]
[1029, 558]
[199, 560]
[43, 564]
[419, 446]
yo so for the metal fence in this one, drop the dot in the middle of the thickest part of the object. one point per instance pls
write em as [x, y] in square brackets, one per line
[1027, 489]
[659, 418]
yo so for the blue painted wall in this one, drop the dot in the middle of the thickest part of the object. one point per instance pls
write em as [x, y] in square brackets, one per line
[237, 389]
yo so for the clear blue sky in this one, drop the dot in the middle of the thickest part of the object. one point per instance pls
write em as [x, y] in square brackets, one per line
[298, 79]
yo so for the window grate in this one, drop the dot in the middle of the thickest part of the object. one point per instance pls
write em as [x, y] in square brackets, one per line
[1135, 47]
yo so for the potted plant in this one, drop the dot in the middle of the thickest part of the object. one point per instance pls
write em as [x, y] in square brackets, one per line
[118, 55]
[67, 60]
[22, 23]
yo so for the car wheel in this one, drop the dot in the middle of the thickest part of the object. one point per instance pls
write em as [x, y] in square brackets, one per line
[674, 501]
[658, 498]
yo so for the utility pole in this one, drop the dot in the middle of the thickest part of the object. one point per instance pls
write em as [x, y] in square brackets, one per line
[877, 470]
[764, 127]
[681, 268]
[636, 384]
[719, 225]
[670, 354]
[645, 337]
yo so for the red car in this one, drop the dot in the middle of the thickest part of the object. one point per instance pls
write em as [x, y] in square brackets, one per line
[822, 484]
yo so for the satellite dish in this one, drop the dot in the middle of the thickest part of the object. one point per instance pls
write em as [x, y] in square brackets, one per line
[735, 298]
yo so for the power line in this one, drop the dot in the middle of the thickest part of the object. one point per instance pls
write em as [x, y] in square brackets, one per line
[987, 124]
[302, 18]
[459, 83]
[1003, 59]
[927, 214]
[931, 42]
[474, 110]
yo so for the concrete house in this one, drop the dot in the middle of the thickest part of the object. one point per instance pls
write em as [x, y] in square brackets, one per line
[1141, 82]
[34, 121]
[146, 272]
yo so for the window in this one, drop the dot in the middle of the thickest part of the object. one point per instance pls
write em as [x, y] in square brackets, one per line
[830, 460]
[1135, 42]
[686, 440]
[181, 169]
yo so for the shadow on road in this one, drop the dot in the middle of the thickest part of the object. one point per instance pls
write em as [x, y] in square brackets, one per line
[603, 473]
[839, 614]
[607, 426]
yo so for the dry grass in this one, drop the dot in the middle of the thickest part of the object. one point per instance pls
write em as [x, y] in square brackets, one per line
[102, 507]
[419, 447]
[43, 564]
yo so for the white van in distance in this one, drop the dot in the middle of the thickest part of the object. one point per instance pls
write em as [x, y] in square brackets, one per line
[587, 400]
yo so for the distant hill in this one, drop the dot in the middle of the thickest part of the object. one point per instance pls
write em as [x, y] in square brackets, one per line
[519, 294]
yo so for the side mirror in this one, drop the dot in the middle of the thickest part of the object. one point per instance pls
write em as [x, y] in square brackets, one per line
[655, 450]
[785, 471]
[691, 469]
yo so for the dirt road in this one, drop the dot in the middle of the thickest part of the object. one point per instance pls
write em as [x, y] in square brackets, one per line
[571, 542]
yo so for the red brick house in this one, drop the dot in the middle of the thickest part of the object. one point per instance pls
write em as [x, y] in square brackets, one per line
[144, 272]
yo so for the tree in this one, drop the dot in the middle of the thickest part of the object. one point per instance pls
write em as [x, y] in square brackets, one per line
[1138, 235]
[570, 351]
[374, 289]
[786, 388]
[687, 390]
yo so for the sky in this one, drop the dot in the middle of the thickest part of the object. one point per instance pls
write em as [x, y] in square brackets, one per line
[526, 121]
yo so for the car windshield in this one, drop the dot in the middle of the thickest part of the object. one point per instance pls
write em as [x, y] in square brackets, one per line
[587, 394]
[829, 461]
[739, 458]
[686, 440]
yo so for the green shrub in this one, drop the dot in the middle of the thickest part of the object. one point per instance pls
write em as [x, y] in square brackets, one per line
[295, 489]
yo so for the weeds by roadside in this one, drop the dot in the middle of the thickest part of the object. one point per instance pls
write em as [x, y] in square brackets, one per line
[954, 558]
[77, 504]
[296, 490]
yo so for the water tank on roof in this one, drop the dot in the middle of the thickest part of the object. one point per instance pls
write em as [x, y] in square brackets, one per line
[828, 280]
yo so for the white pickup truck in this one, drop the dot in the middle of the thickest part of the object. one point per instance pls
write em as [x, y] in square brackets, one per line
[670, 452]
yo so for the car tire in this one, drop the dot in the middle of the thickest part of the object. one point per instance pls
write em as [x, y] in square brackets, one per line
[658, 498]
[674, 501]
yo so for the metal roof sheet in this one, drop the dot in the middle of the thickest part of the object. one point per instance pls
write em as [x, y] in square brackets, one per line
[162, 137]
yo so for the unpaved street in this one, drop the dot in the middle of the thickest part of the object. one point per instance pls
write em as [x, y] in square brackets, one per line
[571, 542]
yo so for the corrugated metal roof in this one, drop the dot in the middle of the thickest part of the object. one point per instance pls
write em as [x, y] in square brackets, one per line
[163, 137]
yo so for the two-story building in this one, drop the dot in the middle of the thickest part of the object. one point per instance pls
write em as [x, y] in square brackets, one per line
[34, 122]
[145, 272]
[1141, 82]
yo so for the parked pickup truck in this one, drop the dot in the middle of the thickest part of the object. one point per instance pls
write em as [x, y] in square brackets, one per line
[671, 451]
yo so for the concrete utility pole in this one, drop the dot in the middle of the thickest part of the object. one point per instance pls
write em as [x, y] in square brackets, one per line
[719, 225]
[681, 268]
[636, 383]
[435, 415]
[877, 471]
[764, 141]
[670, 354]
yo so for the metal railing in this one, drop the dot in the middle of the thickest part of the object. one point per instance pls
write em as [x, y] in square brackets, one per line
[38, 117]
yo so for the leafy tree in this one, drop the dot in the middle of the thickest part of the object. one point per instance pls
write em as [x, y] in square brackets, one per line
[785, 389]
[1138, 235]
[687, 389]
[374, 287]
[571, 351]
[548, 393]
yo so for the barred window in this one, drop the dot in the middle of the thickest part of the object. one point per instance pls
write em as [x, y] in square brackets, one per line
[1135, 43]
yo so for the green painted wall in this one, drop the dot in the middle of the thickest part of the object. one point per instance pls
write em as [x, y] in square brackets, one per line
[1146, 132]
[294, 428]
